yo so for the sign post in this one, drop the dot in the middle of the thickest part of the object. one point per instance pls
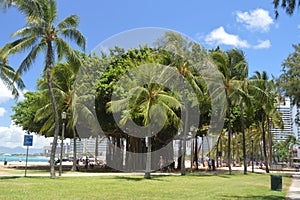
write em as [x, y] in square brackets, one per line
[27, 142]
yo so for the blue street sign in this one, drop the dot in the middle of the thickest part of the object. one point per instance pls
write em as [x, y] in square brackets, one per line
[28, 140]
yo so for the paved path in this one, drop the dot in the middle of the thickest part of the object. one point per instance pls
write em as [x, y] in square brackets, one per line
[294, 191]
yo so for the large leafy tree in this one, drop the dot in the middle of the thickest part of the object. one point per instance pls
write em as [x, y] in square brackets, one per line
[41, 35]
[149, 103]
[119, 62]
[25, 111]
[289, 80]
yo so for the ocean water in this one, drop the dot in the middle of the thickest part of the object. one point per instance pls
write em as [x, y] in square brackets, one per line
[23, 158]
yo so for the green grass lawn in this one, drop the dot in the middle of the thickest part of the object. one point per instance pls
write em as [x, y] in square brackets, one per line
[237, 186]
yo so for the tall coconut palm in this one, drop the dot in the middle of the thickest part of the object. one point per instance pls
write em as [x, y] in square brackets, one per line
[233, 68]
[241, 90]
[185, 55]
[264, 102]
[9, 77]
[63, 75]
[42, 35]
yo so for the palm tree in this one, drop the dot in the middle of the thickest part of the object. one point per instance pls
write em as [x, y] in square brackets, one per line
[40, 34]
[185, 56]
[233, 68]
[264, 102]
[149, 103]
[63, 75]
[9, 77]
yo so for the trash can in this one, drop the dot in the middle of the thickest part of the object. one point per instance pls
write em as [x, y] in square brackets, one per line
[5, 162]
[276, 182]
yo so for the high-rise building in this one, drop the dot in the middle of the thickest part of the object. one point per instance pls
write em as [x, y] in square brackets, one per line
[285, 108]
[87, 147]
[291, 127]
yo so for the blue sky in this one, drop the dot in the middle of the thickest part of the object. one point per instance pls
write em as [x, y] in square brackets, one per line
[248, 25]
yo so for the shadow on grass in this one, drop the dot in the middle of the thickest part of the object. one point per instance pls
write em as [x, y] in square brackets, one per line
[267, 197]
[139, 178]
[9, 177]
[224, 176]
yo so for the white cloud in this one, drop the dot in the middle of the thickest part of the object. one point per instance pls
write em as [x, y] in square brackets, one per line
[5, 94]
[13, 136]
[263, 44]
[2, 111]
[255, 20]
[219, 36]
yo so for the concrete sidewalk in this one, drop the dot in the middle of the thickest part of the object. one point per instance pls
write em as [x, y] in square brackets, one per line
[294, 190]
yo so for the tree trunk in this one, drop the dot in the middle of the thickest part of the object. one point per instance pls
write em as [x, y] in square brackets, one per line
[217, 152]
[96, 148]
[208, 145]
[196, 152]
[185, 128]
[192, 154]
[148, 161]
[238, 151]
[221, 149]
[179, 154]
[244, 138]
[264, 143]
[229, 134]
[202, 151]
[53, 102]
[270, 140]
[183, 153]
[74, 167]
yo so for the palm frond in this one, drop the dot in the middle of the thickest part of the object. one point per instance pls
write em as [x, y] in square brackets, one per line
[51, 11]
[74, 35]
[27, 31]
[18, 46]
[71, 21]
[30, 58]
[65, 50]
[32, 9]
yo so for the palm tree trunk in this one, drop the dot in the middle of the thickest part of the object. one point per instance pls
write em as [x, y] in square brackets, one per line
[202, 151]
[74, 167]
[148, 161]
[264, 143]
[179, 154]
[229, 134]
[185, 128]
[96, 148]
[196, 152]
[270, 140]
[56, 117]
[244, 138]
[184, 148]
[238, 152]
[208, 145]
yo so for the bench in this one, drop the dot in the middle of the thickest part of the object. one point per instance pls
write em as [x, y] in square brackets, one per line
[276, 167]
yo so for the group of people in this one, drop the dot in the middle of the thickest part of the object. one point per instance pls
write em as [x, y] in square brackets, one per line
[210, 163]
[170, 166]
[166, 168]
